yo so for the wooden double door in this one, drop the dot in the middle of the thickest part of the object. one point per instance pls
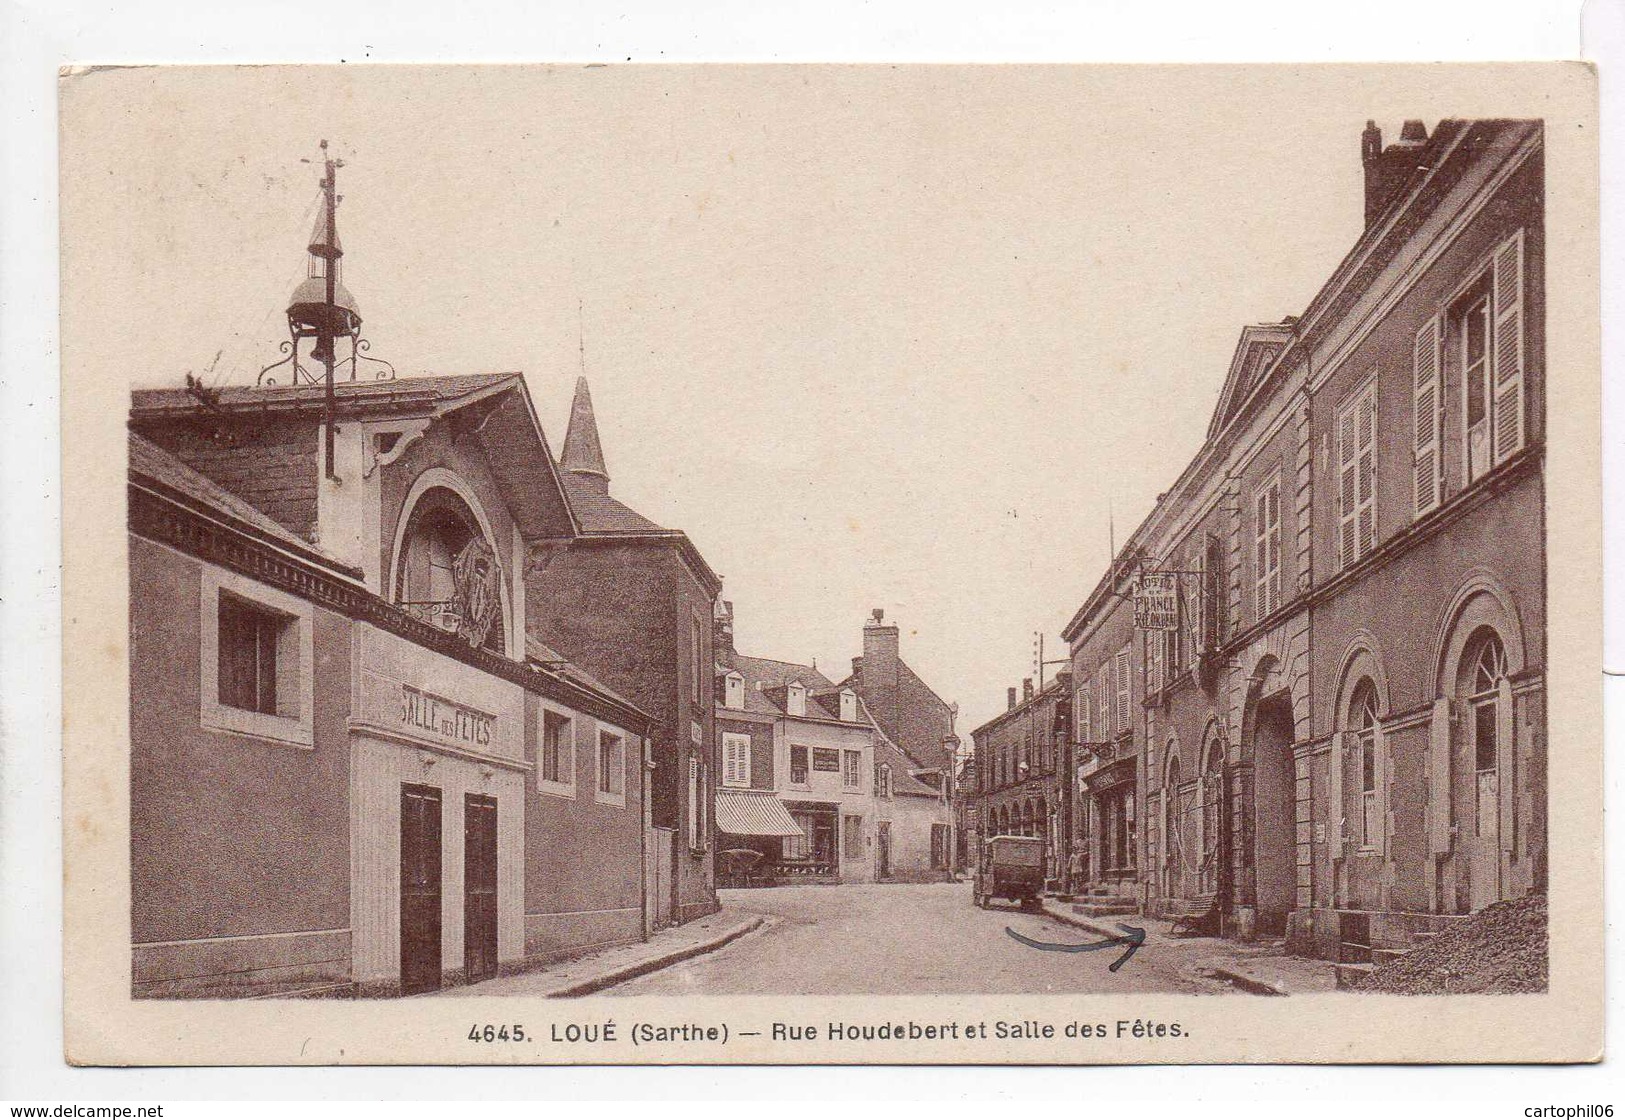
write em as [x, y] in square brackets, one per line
[421, 934]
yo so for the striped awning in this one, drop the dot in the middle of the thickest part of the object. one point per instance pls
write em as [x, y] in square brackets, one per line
[749, 813]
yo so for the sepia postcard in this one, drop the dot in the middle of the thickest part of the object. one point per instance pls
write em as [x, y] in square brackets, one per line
[831, 564]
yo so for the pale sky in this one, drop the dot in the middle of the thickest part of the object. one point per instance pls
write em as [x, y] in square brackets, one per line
[873, 337]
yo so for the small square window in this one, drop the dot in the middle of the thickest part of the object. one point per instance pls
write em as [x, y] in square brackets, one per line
[555, 754]
[611, 768]
[249, 638]
[256, 660]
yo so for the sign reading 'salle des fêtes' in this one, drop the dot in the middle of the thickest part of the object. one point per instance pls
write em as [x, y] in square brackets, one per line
[445, 719]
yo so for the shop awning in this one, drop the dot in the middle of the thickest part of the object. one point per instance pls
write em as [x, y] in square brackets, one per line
[748, 813]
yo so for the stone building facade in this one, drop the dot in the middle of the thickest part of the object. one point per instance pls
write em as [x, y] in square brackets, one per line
[1023, 762]
[1344, 734]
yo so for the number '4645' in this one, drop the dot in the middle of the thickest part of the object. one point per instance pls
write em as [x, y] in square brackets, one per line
[498, 1033]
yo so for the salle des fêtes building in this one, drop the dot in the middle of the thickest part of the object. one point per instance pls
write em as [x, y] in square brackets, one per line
[392, 726]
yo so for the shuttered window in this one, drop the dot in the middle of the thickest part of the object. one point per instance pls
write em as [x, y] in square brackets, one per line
[1086, 728]
[1192, 587]
[1267, 550]
[1121, 717]
[1357, 476]
[735, 759]
[1428, 466]
[1509, 348]
[1103, 697]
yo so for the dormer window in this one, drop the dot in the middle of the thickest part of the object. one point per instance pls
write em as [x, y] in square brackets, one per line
[733, 691]
[849, 706]
[796, 699]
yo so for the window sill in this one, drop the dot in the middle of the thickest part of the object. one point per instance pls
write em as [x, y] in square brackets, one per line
[618, 800]
[282, 730]
[556, 789]
[736, 785]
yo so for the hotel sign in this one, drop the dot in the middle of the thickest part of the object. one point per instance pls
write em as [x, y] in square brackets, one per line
[1156, 602]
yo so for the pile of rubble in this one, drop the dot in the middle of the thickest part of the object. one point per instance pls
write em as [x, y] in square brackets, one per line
[1500, 949]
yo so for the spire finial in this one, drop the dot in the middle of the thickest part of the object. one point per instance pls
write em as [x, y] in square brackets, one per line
[583, 453]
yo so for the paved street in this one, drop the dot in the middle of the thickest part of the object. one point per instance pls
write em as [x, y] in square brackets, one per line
[907, 939]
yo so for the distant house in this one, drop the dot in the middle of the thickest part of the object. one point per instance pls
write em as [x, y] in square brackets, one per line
[917, 742]
[796, 757]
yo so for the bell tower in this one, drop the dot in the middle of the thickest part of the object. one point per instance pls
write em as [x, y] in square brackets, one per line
[322, 311]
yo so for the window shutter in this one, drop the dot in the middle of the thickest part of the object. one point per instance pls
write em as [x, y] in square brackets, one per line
[1335, 810]
[1509, 358]
[1086, 729]
[693, 801]
[1125, 687]
[1210, 602]
[1103, 698]
[1347, 507]
[1367, 475]
[1439, 779]
[1505, 765]
[1428, 467]
[1198, 615]
[1275, 546]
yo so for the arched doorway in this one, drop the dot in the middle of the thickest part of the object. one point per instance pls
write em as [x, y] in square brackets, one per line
[1275, 818]
[1215, 817]
[1480, 685]
[1177, 857]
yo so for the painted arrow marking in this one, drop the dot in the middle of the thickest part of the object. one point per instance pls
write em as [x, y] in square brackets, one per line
[1133, 937]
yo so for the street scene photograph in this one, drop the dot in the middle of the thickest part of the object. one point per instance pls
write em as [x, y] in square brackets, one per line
[736, 531]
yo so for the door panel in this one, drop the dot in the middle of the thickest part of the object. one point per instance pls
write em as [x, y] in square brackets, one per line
[479, 887]
[1485, 872]
[420, 889]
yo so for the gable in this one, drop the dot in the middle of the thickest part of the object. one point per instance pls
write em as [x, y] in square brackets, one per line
[1255, 354]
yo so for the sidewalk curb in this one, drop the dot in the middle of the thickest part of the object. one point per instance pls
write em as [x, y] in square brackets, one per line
[1081, 922]
[1249, 984]
[654, 964]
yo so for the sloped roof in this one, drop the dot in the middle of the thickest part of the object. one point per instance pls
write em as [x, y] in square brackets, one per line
[902, 780]
[599, 513]
[152, 465]
[508, 429]
[540, 653]
[772, 675]
[403, 391]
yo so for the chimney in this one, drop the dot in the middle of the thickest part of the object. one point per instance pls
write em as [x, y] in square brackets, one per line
[1010, 699]
[1387, 170]
[880, 653]
[722, 626]
[1026, 689]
